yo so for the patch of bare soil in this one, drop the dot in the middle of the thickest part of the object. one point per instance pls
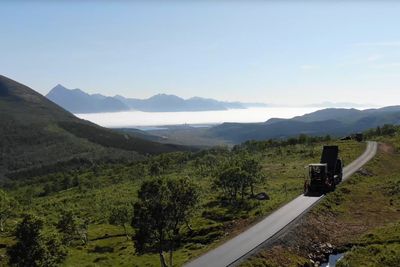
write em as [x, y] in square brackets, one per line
[364, 172]
[386, 148]
[314, 237]
[236, 227]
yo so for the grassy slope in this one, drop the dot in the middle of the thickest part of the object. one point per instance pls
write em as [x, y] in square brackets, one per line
[379, 247]
[362, 214]
[213, 223]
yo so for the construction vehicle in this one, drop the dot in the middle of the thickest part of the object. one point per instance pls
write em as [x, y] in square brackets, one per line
[359, 137]
[324, 176]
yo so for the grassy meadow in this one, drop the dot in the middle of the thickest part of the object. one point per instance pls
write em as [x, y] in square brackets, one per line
[91, 193]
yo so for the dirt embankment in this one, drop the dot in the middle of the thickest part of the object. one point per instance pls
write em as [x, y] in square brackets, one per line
[386, 148]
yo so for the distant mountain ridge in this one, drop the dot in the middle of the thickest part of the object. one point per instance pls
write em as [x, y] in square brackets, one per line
[335, 122]
[328, 104]
[77, 101]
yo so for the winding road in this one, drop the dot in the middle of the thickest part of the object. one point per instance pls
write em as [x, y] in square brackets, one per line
[236, 249]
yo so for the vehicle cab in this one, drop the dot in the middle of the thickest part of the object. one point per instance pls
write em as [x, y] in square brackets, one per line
[318, 171]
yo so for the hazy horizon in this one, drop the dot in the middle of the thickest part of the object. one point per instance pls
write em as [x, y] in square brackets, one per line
[321, 104]
[284, 53]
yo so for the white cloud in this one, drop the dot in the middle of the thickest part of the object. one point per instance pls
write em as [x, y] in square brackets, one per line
[373, 58]
[386, 65]
[309, 67]
[391, 43]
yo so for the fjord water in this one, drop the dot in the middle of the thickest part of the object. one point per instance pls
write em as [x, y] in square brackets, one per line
[139, 118]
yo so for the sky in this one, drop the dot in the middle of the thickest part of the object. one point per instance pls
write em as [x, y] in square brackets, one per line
[279, 52]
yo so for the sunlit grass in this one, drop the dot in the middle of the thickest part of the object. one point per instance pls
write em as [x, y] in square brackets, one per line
[284, 168]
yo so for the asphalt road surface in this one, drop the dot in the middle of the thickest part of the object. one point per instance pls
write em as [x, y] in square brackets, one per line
[243, 244]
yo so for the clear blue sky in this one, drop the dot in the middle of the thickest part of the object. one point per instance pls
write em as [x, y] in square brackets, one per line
[292, 52]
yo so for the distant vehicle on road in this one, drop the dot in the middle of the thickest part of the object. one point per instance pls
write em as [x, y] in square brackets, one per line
[359, 137]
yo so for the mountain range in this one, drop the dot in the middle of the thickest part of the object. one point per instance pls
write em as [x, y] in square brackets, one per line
[78, 101]
[328, 104]
[37, 134]
[332, 121]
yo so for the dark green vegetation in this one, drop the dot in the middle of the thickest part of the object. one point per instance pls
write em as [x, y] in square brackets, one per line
[360, 218]
[7, 208]
[163, 208]
[90, 209]
[241, 174]
[33, 248]
[336, 122]
[38, 136]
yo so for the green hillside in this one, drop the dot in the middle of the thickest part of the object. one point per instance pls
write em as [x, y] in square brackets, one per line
[335, 122]
[37, 134]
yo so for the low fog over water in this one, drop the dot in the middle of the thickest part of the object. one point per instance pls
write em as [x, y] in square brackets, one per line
[139, 118]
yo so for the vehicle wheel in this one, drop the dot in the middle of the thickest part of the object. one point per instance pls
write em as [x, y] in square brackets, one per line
[306, 188]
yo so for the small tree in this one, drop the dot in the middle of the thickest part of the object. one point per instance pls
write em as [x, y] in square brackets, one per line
[230, 180]
[66, 182]
[161, 210]
[242, 173]
[150, 217]
[7, 205]
[183, 197]
[120, 216]
[47, 190]
[28, 196]
[32, 248]
[68, 226]
[253, 171]
[83, 229]
[155, 168]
